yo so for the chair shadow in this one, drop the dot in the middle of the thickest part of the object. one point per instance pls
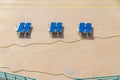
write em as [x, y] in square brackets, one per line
[54, 35]
[27, 35]
[89, 36]
[21, 35]
[58, 35]
[61, 34]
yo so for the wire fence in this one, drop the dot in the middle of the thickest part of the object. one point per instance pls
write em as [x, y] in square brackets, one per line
[8, 76]
[101, 78]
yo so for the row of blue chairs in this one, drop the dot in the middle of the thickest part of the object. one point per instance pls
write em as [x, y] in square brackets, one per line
[83, 27]
[56, 27]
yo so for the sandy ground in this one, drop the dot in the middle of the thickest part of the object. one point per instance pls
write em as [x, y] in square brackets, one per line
[86, 58]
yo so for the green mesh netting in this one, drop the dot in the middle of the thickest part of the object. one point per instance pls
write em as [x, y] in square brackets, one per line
[8, 76]
[101, 78]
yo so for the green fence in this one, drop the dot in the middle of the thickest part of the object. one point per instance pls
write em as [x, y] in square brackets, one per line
[101, 78]
[8, 76]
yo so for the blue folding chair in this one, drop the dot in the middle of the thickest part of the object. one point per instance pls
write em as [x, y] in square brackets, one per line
[27, 27]
[88, 27]
[52, 27]
[82, 27]
[59, 27]
[21, 26]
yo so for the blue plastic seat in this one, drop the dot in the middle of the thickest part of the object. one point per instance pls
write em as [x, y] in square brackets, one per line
[82, 27]
[27, 27]
[59, 27]
[21, 26]
[52, 27]
[88, 27]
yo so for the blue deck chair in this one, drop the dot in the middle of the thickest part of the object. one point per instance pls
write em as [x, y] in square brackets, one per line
[59, 27]
[21, 26]
[82, 27]
[27, 27]
[52, 27]
[88, 27]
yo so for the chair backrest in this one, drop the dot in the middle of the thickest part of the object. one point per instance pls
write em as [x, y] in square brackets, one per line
[88, 27]
[82, 27]
[21, 26]
[27, 27]
[59, 27]
[52, 26]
